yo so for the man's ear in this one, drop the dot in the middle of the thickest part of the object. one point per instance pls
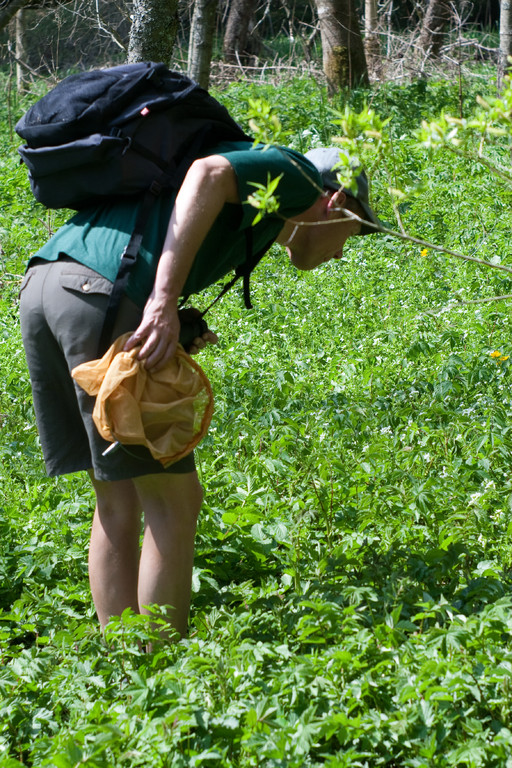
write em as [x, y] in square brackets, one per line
[337, 200]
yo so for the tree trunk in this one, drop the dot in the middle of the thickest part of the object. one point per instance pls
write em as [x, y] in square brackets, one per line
[371, 37]
[154, 29]
[9, 9]
[434, 27]
[344, 62]
[236, 36]
[505, 35]
[21, 50]
[200, 46]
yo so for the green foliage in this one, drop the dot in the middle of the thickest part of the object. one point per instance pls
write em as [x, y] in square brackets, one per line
[263, 198]
[351, 601]
[264, 123]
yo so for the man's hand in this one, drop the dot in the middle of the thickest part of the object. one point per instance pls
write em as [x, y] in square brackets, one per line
[157, 334]
[200, 342]
[191, 320]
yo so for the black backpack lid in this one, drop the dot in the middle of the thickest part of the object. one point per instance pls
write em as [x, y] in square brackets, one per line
[82, 104]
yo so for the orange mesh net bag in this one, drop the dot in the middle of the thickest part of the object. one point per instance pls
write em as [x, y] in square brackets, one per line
[168, 411]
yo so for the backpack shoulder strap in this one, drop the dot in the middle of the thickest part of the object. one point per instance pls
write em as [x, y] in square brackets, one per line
[128, 259]
[251, 262]
[243, 271]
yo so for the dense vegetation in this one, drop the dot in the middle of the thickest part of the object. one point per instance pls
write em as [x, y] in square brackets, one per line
[57, 37]
[352, 586]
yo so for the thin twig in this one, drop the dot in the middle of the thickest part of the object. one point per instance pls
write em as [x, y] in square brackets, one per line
[430, 246]
[482, 160]
[26, 66]
[115, 38]
[462, 303]
[482, 301]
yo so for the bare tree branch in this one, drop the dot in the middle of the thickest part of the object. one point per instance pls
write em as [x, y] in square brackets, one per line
[9, 8]
[115, 37]
[25, 66]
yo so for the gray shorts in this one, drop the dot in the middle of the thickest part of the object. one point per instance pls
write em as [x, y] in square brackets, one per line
[62, 307]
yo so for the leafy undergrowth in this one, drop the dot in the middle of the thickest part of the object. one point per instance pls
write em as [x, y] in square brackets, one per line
[351, 600]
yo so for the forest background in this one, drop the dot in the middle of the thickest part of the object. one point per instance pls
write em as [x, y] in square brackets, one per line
[351, 598]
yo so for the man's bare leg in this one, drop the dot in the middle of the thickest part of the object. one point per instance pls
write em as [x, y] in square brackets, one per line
[163, 575]
[171, 506]
[114, 548]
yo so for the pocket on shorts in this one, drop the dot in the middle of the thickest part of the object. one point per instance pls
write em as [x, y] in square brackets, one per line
[25, 281]
[86, 283]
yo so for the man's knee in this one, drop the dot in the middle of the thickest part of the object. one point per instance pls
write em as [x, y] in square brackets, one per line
[116, 497]
[170, 491]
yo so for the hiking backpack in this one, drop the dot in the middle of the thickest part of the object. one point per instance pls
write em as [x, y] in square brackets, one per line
[117, 132]
[130, 130]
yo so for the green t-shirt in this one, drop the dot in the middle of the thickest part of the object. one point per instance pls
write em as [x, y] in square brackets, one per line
[97, 236]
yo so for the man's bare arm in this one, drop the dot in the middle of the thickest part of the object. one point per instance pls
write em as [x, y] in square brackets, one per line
[208, 185]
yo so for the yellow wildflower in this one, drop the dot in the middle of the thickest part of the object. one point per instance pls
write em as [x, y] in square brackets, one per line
[496, 354]
[424, 252]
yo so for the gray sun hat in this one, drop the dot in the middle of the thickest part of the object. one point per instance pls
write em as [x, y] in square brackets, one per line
[325, 159]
